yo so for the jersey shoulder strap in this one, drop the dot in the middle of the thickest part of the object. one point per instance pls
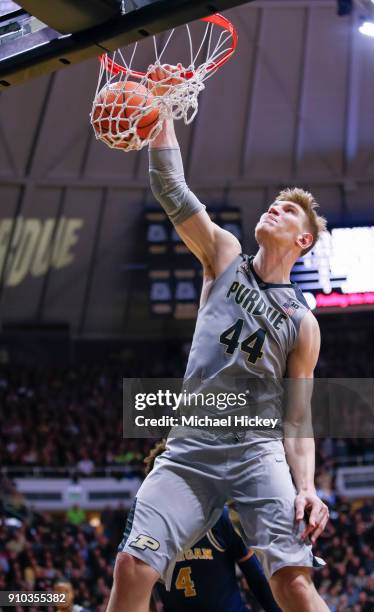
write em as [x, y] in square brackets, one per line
[247, 264]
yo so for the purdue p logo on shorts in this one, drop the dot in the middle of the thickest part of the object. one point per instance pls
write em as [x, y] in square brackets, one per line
[143, 541]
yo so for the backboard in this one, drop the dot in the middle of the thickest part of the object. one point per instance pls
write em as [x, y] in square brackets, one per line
[37, 38]
[20, 32]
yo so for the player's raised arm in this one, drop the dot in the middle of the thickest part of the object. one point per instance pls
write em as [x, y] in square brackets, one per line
[212, 245]
[299, 442]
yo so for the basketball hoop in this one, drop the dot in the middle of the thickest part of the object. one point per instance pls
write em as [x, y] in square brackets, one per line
[181, 86]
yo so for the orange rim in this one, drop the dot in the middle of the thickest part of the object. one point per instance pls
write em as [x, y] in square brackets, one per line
[216, 19]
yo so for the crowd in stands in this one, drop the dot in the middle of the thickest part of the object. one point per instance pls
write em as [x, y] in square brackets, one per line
[346, 351]
[347, 581]
[72, 419]
[39, 549]
[62, 419]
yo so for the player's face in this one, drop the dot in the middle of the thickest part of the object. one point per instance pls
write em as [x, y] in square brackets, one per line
[284, 223]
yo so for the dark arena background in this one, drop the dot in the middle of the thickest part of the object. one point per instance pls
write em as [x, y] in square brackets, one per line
[96, 286]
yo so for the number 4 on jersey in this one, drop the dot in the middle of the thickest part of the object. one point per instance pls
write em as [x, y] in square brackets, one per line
[185, 583]
[251, 345]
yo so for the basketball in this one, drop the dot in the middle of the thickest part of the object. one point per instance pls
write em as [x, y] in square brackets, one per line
[118, 107]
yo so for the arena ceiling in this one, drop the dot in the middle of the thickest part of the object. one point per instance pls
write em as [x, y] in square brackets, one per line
[295, 106]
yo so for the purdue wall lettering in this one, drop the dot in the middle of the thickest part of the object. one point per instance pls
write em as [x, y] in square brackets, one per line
[36, 246]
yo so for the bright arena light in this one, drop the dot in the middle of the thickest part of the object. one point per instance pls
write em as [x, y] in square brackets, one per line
[311, 300]
[367, 28]
[95, 521]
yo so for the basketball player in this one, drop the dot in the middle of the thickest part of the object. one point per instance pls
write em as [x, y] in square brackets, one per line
[252, 322]
[204, 579]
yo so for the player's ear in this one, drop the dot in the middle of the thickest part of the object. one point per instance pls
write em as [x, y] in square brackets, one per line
[304, 240]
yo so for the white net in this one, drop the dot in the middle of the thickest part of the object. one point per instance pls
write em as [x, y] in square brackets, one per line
[130, 106]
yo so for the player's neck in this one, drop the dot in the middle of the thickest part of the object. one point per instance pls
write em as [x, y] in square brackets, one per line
[273, 266]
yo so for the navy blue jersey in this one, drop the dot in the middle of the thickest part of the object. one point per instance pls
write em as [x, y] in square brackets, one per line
[204, 577]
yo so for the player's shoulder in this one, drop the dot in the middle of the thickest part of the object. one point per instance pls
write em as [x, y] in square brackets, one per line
[309, 324]
[306, 349]
[227, 249]
[300, 297]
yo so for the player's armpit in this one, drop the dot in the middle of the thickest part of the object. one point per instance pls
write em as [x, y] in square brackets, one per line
[214, 247]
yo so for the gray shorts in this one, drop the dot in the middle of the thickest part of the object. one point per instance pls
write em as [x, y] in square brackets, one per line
[184, 495]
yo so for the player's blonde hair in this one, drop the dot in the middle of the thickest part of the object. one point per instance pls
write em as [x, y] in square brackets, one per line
[157, 450]
[306, 201]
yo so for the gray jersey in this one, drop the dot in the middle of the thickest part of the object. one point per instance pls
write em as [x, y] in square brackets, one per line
[245, 331]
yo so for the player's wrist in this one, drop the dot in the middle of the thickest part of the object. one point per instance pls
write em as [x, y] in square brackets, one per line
[307, 490]
[166, 138]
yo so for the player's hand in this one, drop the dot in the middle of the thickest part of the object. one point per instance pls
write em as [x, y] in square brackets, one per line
[312, 505]
[161, 77]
